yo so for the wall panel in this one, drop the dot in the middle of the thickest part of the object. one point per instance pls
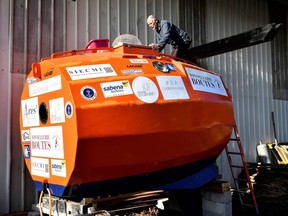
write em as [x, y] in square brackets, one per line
[5, 108]
[247, 72]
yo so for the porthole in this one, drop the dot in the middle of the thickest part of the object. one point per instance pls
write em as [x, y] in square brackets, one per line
[43, 113]
[161, 67]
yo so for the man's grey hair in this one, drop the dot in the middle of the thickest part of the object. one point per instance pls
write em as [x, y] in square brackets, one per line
[151, 17]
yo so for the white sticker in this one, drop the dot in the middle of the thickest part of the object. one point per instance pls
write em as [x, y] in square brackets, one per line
[45, 86]
[206, 82]
[47, 142]
[58, 167]
[90, 71]
[172, 87]
[145, 89]
[118, 88]
[25, 135]
[40, 167]
[30, 112]
[57, 110]
[139, 61]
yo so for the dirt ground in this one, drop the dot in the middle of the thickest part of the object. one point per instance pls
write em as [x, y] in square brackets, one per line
[271, 191]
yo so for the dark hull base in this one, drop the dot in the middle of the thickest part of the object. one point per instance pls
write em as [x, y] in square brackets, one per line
[190, 176]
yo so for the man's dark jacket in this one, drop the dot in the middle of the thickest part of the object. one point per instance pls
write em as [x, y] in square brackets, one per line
[168, 33]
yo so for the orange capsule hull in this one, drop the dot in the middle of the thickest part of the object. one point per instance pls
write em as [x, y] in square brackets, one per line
[121, 120]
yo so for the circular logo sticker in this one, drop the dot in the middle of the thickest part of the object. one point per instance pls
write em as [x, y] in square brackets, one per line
[88, 93]
[68, 109]
[145, 89]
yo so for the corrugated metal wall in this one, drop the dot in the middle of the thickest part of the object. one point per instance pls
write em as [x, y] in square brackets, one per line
[247, 73]
[192, 20]
[53, 26]
[5, 98]
[32, 29]
[278, 13]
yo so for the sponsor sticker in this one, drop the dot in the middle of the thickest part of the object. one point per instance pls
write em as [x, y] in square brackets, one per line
[45, 86]
[49, 72]
[31, 80]
[30, 112]
[68, 109]
[90, 71]
[202, 81]
[27, 151]
[145, 89]
[25, 135]
[88, 93]
[58, 167]
[131, 71]
[57, 110]
[172, 87]
[118, 88]
[134, 66]
[139, 61]
[40, 167]
[47, 142]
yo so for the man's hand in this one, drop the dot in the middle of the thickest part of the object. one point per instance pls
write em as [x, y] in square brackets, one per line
[155, 46]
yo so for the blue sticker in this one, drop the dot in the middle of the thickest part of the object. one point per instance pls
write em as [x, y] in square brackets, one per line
[68, 110]
[88, 93]
[27, 151]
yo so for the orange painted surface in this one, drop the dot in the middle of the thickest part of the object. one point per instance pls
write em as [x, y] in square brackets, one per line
[160, 121]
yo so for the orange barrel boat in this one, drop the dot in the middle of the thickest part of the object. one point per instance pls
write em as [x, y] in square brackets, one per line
[120, 119]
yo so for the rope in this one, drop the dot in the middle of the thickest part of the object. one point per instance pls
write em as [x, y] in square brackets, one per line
[50, 202]
[40, 204]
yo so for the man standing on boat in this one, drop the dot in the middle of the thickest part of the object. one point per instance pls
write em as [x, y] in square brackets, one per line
[168, 33]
